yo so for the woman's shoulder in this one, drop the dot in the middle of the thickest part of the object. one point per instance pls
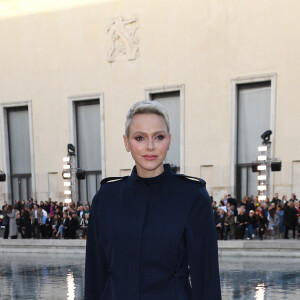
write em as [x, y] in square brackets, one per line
[190, 180]
[110, 180]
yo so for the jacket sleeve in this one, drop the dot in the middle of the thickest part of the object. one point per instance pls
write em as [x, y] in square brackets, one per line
[203, 249]
[96, 267]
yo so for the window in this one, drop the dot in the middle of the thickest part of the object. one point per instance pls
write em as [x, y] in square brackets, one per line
[171, 100]
[88, 142]
[19, 152]
[253, 118]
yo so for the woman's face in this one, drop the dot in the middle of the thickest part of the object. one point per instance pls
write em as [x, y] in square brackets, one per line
[148, 143]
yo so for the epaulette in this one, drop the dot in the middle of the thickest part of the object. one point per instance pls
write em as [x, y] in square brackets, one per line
[201, 181]
[112, 179]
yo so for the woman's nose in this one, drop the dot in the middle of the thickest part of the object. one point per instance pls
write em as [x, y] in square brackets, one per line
[150, 144]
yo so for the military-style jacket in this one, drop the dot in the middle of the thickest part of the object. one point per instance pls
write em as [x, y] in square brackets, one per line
[152, 239]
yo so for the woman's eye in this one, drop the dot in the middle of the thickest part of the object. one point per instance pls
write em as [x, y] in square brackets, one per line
[160, 137]
[139, 138]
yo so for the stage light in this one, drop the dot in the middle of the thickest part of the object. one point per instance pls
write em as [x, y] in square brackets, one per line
[67, 183]
[262, 148]
[262, 187]
[261, 167]
[71, 149]
[66, 175]
[68, 200]
[67, 192]
[262, 197]
[66, 167]
[66, 159]
[261, 177]
[262, 157]
[254, 166]
[266, 136]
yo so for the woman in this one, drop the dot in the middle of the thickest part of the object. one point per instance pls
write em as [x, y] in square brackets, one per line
[150, 231]
[229, 225]
[280, 213]
[13, 229]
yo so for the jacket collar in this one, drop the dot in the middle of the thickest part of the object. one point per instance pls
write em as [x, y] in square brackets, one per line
[160, 179]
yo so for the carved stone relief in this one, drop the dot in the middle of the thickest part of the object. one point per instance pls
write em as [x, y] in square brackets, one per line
[122, 40]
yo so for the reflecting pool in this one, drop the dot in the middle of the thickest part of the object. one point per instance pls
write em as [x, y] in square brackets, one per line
[55, 277]
[260, 278]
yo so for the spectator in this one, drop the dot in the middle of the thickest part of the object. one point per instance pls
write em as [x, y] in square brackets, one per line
[36, 216]
[293, 218]
[48, 226]
[229, 225]
[84, 226]
[293, 197]
[25, 223]
[251, 225]
[280, 214]
[241, 224]
[5, 220]
[273, 223]
[13, 229]
[276, 200]
[262, 225]
[284, 199]
[220, 223]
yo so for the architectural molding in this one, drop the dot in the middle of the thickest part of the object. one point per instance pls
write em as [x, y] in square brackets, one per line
[122, 39]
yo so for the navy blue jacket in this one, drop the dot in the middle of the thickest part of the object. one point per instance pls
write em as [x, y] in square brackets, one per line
[148, 236]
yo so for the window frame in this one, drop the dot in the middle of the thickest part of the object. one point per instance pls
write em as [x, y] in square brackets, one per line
[235, 82]
[5, 146]
[174, 88]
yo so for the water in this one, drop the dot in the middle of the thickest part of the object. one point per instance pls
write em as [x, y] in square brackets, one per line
[260, 278]
[55, 277]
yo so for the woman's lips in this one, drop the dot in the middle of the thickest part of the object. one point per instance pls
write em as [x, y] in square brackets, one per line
[150, 157]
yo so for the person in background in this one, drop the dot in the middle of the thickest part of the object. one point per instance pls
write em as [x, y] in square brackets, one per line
[251, 221]
[13, 229]
[241, 224]
[273, 225]
[280, 213]
[36, 216]
[276, 199]
[220, 223]
[5, 220]
[262, 225]
[26, 223]
[229, 225]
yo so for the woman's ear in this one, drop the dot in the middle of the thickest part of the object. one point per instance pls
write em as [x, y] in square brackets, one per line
[126, 143]
[170, 137]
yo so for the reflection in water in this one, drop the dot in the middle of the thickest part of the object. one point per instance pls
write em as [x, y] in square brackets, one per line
[61, 277]
[71, 286]
[245, 278]
[260, 292]
[41, 276]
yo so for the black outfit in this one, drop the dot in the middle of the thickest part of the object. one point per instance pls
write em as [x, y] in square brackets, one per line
[6, 224]
[286, 220]
[262, 225]
[26, 225]
[220, 229]
[240, 226]
[147, 236]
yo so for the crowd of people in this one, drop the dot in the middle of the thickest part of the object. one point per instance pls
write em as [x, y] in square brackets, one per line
[279, 218]
[48, 219]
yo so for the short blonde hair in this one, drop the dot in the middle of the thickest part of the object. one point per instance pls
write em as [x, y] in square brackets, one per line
[146, 107]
